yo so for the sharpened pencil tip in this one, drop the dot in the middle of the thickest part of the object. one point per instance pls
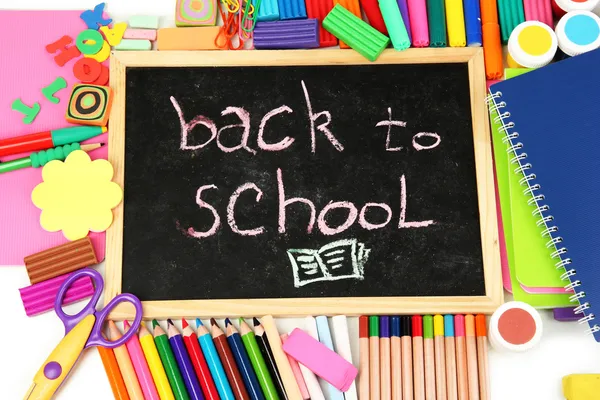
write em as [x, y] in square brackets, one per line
[199, 322]
[126, 324]
[184, 323]
[170, 321]
[256, 321]
[213, 322]
[241, 320]
[154, 323]
[227, 322]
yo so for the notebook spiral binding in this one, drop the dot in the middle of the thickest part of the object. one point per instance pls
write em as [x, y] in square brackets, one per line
[541, 210]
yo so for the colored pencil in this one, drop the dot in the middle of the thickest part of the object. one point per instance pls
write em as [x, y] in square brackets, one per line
[341, 337]
[363, 357]
[396, 358]
[134, 348]
[418, 358]
[113, 373]
[125, 366]
[471, 342]
[450, 358]
[482, 358]
[190, 339]
[324, 336]
[385, 359]
[440, 357]
[461, 358]
[258, 362]
[265, 350]
[213, 361]
[407, 367]
[169, 363]
[183, 361]
[231, 370]
[374, 381]
[429, 353]
[156, 368]
[297, 373]
[243, 362]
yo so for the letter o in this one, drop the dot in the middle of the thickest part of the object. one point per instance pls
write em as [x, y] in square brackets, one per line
[369, 226]
[419, 135]
[352, 213]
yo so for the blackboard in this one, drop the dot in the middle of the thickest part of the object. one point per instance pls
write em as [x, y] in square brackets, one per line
[302, 182]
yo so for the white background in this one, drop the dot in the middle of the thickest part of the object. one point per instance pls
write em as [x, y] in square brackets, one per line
[26, 342]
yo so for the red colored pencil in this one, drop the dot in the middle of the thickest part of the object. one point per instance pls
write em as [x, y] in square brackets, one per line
[199, 362]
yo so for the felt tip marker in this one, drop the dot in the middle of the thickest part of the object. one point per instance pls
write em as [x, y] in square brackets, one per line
[48, 139]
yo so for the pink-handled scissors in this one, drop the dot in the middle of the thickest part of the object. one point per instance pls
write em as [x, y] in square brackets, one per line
[82, 330]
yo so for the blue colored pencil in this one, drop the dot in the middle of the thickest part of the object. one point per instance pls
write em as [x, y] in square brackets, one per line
[325, 338]
[243, 362]
[185, 364]
[214, 362]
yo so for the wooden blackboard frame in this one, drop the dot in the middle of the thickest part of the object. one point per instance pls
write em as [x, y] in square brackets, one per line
[473, 57]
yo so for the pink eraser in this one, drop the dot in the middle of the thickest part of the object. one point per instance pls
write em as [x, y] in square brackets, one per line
[40, 297]
[145, 34]
[325, 363]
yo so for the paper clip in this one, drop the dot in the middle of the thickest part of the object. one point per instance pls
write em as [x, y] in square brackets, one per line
[229, 28]
[233, 6]
[250, 15]
[246, 25]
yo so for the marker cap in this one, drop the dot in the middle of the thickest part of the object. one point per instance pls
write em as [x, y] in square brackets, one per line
[480, 328]
[406, 327]
[417, 325]
[428, 327]
[395, 326]
[470, 325]
[448, 325]
[578, 32]
[384, 327]
[373, 325]
[459, 325]
[363, 326]
[438, 325]
[532, 44]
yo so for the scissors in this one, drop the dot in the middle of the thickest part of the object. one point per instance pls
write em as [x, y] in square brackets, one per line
[82, 330]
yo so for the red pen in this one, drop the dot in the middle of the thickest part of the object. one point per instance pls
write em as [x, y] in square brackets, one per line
[373, 13]
[199, 362]
[48, 139]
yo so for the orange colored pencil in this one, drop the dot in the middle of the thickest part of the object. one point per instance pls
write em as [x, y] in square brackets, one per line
[418, 358]
[113, 373]
[364, 360]
[407, 366]
[472, 357]
[440, 357]
[482, 358]
[125, 365]
[450, 358]
[461, 358]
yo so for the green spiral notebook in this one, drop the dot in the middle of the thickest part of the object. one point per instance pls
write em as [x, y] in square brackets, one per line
[527, 256]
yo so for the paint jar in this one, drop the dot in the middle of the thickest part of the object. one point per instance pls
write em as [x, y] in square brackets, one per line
[515, 326]
[561, 7]
[578, 32]
[532, 44]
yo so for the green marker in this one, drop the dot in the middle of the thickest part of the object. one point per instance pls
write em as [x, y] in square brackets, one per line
[258, 362]
[41, 158]
[168, 360]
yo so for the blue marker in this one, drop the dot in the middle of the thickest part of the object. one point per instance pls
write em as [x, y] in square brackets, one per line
[213, 361]
[473, 23]
[325, 338]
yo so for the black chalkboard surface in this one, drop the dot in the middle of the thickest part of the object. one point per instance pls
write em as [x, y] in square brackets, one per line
[301, 181]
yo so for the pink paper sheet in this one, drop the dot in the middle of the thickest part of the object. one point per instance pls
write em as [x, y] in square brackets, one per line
[25, 68]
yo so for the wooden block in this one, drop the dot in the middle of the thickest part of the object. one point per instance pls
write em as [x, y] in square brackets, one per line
[144, 34]
[354, 7]
[188, 38]
[89, 105]
[133, 44]
[144, 21]
[196, 12]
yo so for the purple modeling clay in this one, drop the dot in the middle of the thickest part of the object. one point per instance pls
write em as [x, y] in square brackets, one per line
[295, 34]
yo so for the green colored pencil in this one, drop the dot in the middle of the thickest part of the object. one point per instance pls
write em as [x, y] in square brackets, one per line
[168, 359]
[258, 362]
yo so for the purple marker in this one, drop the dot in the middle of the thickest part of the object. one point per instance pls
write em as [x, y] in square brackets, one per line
[185, 364]
[295, 34]
[403, 5]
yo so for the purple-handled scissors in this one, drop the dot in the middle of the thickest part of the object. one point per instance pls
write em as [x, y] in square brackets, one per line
[82, 330]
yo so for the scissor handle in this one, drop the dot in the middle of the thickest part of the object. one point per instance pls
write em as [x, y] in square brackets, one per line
[71, 320]
[96, 336]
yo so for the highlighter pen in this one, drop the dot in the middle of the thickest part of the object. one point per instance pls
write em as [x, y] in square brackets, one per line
[418, 361]
[461, 358]
[407, 367]
[450, 358]
[374, 357]
[429, 352]
[364, 360]
[385, 372]
[440, 357]
[396, 358]
[48, 139]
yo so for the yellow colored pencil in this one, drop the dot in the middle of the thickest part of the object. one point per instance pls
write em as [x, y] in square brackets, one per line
[156, 368]
[129, 377]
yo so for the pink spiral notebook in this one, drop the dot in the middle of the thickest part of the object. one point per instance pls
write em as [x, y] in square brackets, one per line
[25, 68]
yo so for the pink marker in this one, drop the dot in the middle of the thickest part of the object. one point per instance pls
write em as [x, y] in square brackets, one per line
[418, 23]
[325, 363]
[134, 348]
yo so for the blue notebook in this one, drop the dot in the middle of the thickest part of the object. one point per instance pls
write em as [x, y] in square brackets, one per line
[551, 117]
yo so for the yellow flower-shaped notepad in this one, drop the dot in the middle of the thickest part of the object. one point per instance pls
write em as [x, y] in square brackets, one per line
[77, 195]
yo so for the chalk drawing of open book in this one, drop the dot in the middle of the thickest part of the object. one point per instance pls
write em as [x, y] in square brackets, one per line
[342, 259]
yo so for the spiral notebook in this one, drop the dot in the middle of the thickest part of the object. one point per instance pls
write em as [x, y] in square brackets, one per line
[552, 121]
